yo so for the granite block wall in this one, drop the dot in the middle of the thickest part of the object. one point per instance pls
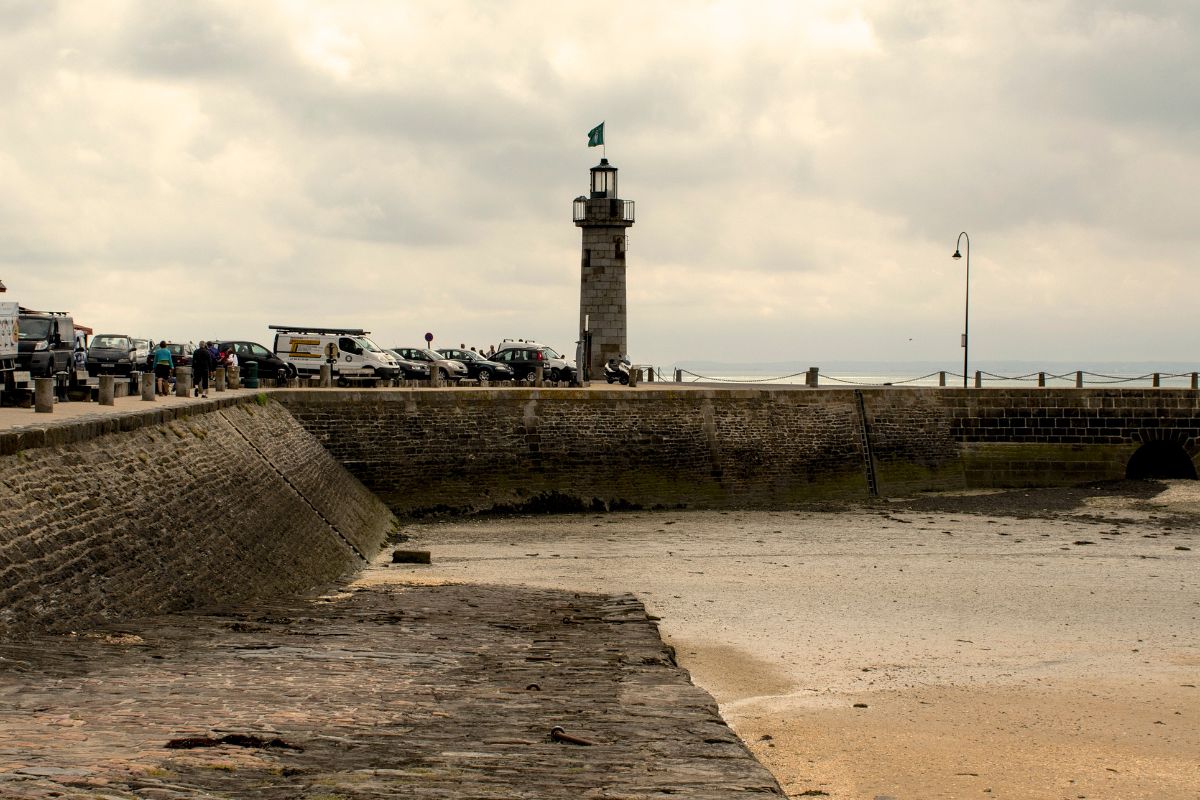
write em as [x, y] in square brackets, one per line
[225, 505]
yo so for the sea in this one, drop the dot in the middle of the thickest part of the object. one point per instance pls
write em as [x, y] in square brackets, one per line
[993, 374]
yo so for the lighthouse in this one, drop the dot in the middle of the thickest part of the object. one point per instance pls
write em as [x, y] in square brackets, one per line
[605, 220]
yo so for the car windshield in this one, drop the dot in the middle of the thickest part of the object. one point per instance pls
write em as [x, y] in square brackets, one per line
[549, 351]
[431, 355]
[34, 328]
[176, 349]
[113, 342]
[367, 344]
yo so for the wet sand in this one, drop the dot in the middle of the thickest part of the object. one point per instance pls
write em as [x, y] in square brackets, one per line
[1025, 645]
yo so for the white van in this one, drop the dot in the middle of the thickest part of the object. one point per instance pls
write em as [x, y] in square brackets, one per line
[352, 352]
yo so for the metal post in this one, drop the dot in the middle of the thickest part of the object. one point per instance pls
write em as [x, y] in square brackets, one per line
[1155, 381]
[108, 389]
[1041, 380]
[966, 304]
[1078, 379]
[43, 395]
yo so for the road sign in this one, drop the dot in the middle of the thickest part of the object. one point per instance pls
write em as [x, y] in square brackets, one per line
[429, 338]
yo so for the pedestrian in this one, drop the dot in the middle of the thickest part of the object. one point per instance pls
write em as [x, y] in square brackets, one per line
[202, 362]
[491, 350]
[163, 365]
[231, 359]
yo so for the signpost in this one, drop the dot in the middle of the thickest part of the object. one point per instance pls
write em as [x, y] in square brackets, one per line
[429, 338]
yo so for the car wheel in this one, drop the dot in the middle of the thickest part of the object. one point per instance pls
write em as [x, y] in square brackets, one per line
[484, 376]
[532, 376]
[610, 379]
[289, 371]
[624, 380]
[554, 374]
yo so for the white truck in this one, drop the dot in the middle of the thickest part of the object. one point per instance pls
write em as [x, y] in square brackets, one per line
[10, 327]
[349, 351]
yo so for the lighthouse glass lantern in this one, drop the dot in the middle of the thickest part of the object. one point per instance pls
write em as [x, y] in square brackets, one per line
[604, 180]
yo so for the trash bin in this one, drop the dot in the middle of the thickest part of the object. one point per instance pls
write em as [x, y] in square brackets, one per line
[250, 379]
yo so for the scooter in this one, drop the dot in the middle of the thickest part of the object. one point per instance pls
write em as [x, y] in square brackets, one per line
[617, 369]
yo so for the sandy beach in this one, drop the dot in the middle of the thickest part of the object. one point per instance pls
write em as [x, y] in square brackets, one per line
[1031, 644]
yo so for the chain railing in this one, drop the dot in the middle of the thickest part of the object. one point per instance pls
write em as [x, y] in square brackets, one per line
[1079, 378]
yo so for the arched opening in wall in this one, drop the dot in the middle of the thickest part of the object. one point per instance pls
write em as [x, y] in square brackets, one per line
[1160, 460]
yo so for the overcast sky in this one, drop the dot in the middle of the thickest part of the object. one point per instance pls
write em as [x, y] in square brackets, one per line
[198, 169]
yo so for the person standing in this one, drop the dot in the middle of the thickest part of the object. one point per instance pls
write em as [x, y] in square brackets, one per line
[163, 364]
[202, 362]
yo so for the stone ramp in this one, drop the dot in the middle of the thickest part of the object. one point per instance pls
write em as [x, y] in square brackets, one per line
[420, 692]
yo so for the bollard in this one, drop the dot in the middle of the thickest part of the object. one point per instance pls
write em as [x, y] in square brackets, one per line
[148, 386]
[107, 389]
[678, 375]
[942, 378]
[649, 374]
[183, 381]
[233, 377]
[135, 382]
[978, 379]
[1154, 381]
[811, 378]
[1078, 379]
[538, 374]
[635, 375]
[1041, 380]
[1195, 383]
[219, 379]
[435, 376]
[251, 380]
[326, 376]
[43, 395]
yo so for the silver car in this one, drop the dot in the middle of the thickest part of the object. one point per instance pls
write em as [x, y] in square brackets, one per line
[451, 370]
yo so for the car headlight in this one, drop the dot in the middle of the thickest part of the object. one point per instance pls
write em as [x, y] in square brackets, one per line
[42, 345]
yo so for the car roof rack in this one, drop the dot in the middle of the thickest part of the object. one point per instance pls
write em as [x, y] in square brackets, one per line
[310, 329]
[25, 310]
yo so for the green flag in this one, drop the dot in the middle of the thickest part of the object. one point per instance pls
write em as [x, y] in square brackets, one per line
[596, 135]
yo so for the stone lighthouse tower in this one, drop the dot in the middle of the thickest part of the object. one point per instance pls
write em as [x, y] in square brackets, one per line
[604, 218]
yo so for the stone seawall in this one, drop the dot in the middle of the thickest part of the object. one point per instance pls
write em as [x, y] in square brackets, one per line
[131, 514]
[513, 449]
[426, 451]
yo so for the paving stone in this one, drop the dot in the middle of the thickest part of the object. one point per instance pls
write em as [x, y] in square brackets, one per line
[429, 692]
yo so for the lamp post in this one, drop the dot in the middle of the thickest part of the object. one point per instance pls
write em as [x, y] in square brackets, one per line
[967, 302]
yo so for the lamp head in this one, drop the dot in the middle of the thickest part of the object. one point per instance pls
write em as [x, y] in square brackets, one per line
[957, 255]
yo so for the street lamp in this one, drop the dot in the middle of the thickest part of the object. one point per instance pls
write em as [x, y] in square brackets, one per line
[967, 303]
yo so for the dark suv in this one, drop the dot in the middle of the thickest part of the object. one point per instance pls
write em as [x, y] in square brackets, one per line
[524, 359]
[269, 364]
[478, 366]
[46, 343]
[111, 352]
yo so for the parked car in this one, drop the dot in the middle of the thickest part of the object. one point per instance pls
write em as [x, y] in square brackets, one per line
[269, 365]
[524, 357]
[46, 343]
[453, 371]
[112, 353]
[478, 366]
[181, 354]
[411, 370]
[143, 349]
